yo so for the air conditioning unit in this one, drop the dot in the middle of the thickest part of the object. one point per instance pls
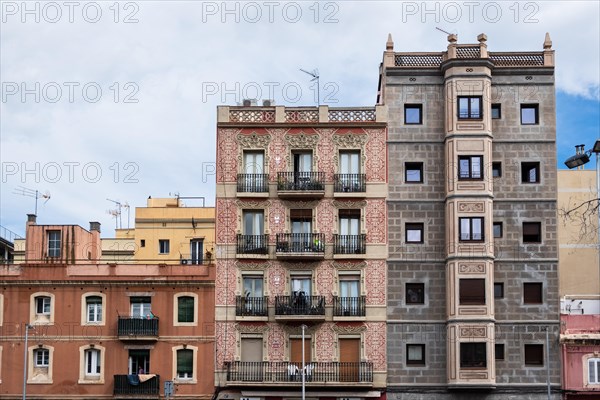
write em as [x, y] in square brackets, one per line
[184, 261]
[248, 102]
[268, 103]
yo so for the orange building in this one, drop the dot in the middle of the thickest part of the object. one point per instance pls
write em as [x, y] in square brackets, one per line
[102, 330]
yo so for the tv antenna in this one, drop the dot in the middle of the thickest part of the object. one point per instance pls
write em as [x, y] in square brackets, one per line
[315, 77]
[23, 191]
[116, 213]
[441, 30]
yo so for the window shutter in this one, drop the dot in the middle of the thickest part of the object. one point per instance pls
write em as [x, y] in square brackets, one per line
[185, 361]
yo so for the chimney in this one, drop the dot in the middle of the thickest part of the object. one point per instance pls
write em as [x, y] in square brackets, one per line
[94, 226]
[31, 219]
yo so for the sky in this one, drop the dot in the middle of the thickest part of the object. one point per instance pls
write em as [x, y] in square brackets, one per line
[106, 101]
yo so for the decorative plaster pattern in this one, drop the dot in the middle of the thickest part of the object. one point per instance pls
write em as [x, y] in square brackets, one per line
[325, 219]
[226, 214]
[277, 279]
[376, 282]
[471, 268]
[225, 338]
[225, 282]
[473, 331]
[276, 343]
[376, 154]
[325, 343]
[327, 153]
[470, 207]
[276, 217]
[277, 153]
[227, 168]
[375, 345]
[375, 221]
[325, 279]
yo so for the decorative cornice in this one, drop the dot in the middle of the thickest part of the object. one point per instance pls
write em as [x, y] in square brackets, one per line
[347, 266]
[471, 268]
[253, 141]
[246, 266]
[469, 206]
[349, 329]
[302, 141]
[300, 265]
[253, 204]
[349, 204]
[254, 328]
[300, 204]
[350, 141]
[473, 331]
[297, 330]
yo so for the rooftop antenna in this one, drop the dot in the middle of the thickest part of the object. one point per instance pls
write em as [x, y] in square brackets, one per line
[23, 191]
[126, 205]
[315, 75]
[116, 213]
[441, 30]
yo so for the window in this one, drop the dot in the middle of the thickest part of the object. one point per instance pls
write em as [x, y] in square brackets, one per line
[53, 243]
[92, 362]
[534, 354]
[470, 167]
[413, 172]
[530, 172]
[496, 169]
[532, 293]
[350, 303]
[499, 351]
[593, 366]
[142, 242]
[497, 230]
[472, 291]
[414, 232]
[94, 308]
[185, 364]
[413, 114]
[532, 232]
[499, 290]
[42, 305]
[529, 114]
[496, 111]
[415, 293]
[163, 246]
[41, 358]
[141, 307]
[196, 251]
[415, 354]
[254, 179]
[473, 355]
[469, 107]
[185, 309]
[470, 229]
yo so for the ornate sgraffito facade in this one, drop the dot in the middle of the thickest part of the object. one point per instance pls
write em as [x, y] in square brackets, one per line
[301, 241]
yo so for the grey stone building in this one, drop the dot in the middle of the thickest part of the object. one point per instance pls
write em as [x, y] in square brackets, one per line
[472, 267]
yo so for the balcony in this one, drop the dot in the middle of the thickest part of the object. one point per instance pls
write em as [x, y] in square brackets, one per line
[300, 245]
[349, 245]
[349, 185]
[131, 385]
[251, 306]
[299, 306]
[349, 306]
[300, 184]
[253, 185]
[290, 373]
[137, 328]
[252, 246]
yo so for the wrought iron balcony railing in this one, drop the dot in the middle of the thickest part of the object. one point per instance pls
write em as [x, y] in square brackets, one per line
[350, 244]
[131, 385]
[253, 183]
[291, 372]
[299, 304]
[349, 306]
[137, 326]
[309, 243]
[252, 244]
[300, 181]
[251, 306]
[349, 183]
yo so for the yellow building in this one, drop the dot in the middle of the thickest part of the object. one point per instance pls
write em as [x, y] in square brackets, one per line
[168, 231]
[579, 270]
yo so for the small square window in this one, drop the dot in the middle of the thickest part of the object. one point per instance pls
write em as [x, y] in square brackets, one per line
[470, 167]
[413, 114]
[497, 230]
[529, 114]
[499, 350]
[42, 357]
[471, 291]
[469, 107]
[470, 229]
[163, 246]
[496, 111]
[473, 355]
[415, 293]
[143, 243]
[415, 354]
[499, 290]
[530, 172]
[414, 233]
[534, 354]
[532, 232]
[496, 169]
[42, 305]
[413, 172]
[532, 293]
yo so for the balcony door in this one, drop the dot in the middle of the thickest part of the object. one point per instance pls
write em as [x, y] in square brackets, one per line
[139, 362]
[301, 284]
[296, 359]
[349, 231]
[302, 161]
[254, 222]
[349, 360]
[141, 307]
[301, 223]
[196, 250]
[253, 294]
[349, 295]
[349, 162]
[251, 357]
[254, 169]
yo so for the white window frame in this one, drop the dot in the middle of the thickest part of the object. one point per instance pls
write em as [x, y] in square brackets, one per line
[44, 318]
[588, 360]
[91, 378]
[45, 358]
[34, 375]
[56, 251]
[84, 308]
[194, 378]
[167, 246]
[176, 297]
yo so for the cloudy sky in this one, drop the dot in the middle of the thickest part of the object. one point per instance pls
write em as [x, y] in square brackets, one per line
[117, 100]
